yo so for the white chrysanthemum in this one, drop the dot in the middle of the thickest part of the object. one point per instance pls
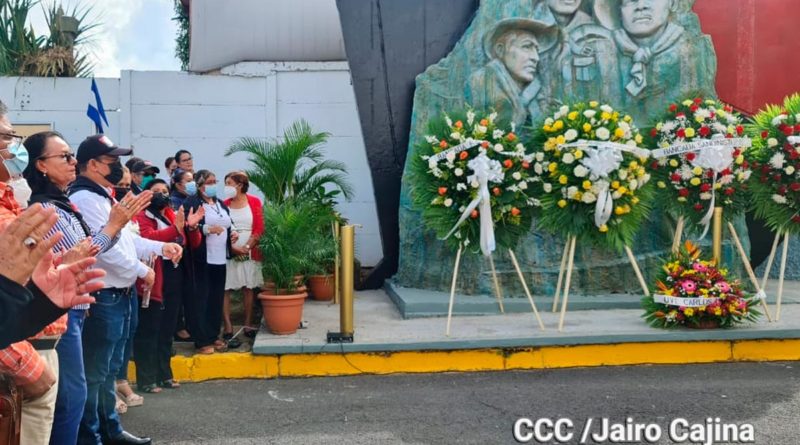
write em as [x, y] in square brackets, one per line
[623, 174]
[470, 117]
[498, 148]
[777, 160]
[722, 129]
[448, 202]
[589, 197]
[547, 187]
[437, 172]
[580, 171]
[606, 108]
[455, 135]
[725, 180]
[772, 142]
[779, 199]
[537, 168]
[668, 127]
[475, 184]
[432, 163]
[705, 196]
[450, 156]
[512, 188]
[589, 113]
[549, 121]
[497, 133]
[625, 126]
[432, 139]
[461, 186]
[520, 148]
[480, 129]
[703, 113]
[458, 172]
[571, 135]
[603, 134]
[645, 179]
[568, 158]
[686, 172]
[563, 110]
[633, 185]
[522, 185]
[572, 191]
[540, 156]
[789, 170]
[517, 176]
[616, 195]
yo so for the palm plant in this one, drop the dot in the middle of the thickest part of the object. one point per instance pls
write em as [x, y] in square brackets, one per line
[17, 43]
[294, 167]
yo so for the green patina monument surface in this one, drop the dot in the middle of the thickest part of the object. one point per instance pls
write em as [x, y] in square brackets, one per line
[524, 57]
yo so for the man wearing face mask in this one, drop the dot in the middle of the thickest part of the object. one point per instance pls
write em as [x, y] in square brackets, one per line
[106, 328]
[142, 172]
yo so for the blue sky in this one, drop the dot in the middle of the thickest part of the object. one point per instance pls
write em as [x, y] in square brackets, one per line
[135, 35]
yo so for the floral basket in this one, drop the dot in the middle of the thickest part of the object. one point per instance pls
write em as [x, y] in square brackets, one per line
[593, 176]
[701, 161]
[776, 163]
[470, 178]
[693, 292]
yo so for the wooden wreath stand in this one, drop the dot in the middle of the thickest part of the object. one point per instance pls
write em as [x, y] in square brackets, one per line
[567, 264]
[498, 292]
[782, 275]
[717, 253]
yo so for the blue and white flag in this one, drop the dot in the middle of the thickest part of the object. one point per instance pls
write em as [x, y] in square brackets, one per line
[95, 111]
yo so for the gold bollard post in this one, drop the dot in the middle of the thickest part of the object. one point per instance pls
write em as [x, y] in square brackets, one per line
[716, 247]
[347, 258]
[337, 273]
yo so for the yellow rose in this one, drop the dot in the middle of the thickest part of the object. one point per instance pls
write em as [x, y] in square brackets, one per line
[690, 132]
[605, 115]
[697, 171]
[688, 312]
[562, 179]
[695, 181]
[560, 140]
[578, 154]
[587, 185]
[558, 125]
[739, 159]
[573, 115]
[552, 167]
[619, 211]
[603, 228]
[627, 118]
[619, 133]
[615, 185]
[615, 116]
[578, 196]
[638, 138]
[673, 163]
[594, 104]
[622, 190]
[718, 312]
[633, 165]
[547, 128]
[635, 200]
[641, 172]
[562, 203]
[587, 127]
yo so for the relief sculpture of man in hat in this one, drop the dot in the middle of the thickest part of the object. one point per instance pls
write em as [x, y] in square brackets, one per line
[660, 61]
[511, 82]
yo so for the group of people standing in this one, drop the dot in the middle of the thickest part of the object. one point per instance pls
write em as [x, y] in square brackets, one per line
[171, 249]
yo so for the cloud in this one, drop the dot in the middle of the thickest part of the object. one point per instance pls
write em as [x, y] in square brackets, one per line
[134, 34]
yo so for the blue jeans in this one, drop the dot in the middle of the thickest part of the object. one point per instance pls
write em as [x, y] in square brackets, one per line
[126, 354]
[105, 333]
[71, 382]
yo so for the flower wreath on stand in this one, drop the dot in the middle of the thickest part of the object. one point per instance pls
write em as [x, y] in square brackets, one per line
[471, 175]
[700, 163]
[695, 293]
[593, 175]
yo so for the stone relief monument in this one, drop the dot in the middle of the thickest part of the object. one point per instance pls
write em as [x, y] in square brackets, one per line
[524, 57]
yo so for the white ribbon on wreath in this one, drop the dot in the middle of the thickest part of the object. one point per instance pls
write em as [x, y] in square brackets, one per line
[601, 159]
[715, 154]
[684, 302]
[485, 170]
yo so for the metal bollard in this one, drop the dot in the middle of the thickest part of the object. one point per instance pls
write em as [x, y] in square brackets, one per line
[347, 258]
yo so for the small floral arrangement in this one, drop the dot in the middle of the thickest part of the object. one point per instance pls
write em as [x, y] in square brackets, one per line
[694, 181]
[776, 163]
[693, 292]
[593, 177]
[445, 181]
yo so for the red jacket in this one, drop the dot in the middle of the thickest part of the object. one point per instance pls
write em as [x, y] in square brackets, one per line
[258, 224]
[148, 228]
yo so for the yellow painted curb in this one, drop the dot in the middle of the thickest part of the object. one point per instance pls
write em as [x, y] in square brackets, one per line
[247, 366]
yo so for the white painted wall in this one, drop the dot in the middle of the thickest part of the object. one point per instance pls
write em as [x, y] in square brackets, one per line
[158, 113]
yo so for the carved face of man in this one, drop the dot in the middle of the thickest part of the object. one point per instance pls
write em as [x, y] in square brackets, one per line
[519, 52]
[564, 7]
[644, 18]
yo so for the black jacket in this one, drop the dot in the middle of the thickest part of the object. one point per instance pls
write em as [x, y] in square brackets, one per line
[24, 311]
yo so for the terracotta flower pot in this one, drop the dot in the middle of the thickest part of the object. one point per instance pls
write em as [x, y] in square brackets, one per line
[282, 313]
[322, 287]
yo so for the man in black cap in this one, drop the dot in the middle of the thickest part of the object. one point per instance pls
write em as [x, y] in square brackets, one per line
[105, 331]
[142, 172]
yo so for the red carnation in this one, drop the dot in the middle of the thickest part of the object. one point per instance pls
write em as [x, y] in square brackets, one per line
[795, 186]
[782, 190]
[705, 187]
[676, 177]
[673, 108]
[788, 130]
[689, 156]
[776, 177]
[508, 163]
[694, 108]
[797, 128]
[683, 192]
[698, 100]
[765, 169]
[796, 219]
[729, 191]
[736, 152]
[710, 173]
[705, 131]
[739, 130]
[679, 115]
[727, 171]
[654, 165]
[698, 207]
[764, 134]
[793, 155]
[653, 132]
[728, 108]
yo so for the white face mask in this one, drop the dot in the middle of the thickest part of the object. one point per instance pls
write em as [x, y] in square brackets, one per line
[229, 192]
[22, 191]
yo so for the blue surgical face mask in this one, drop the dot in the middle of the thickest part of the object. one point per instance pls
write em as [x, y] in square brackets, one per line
[17, 164]
[211, 191]
[191, 188]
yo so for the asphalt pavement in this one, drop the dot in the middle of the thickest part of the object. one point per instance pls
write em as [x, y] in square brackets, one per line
[477, 408]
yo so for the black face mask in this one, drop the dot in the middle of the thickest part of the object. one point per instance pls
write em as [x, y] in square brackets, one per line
[159, 201]
[116, 173]
[120, 192]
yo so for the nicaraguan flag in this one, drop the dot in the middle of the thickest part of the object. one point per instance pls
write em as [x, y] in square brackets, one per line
[95, 111]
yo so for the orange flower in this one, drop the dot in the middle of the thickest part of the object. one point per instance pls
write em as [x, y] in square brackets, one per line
[485, 144]
[443, 144]
[496, 191]
[508, 163]
[442, 191]
[459, 124]
[511, 137]
[484, 122]
[474, 214]
[515, 211]
[526, 164]
[463, 155]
